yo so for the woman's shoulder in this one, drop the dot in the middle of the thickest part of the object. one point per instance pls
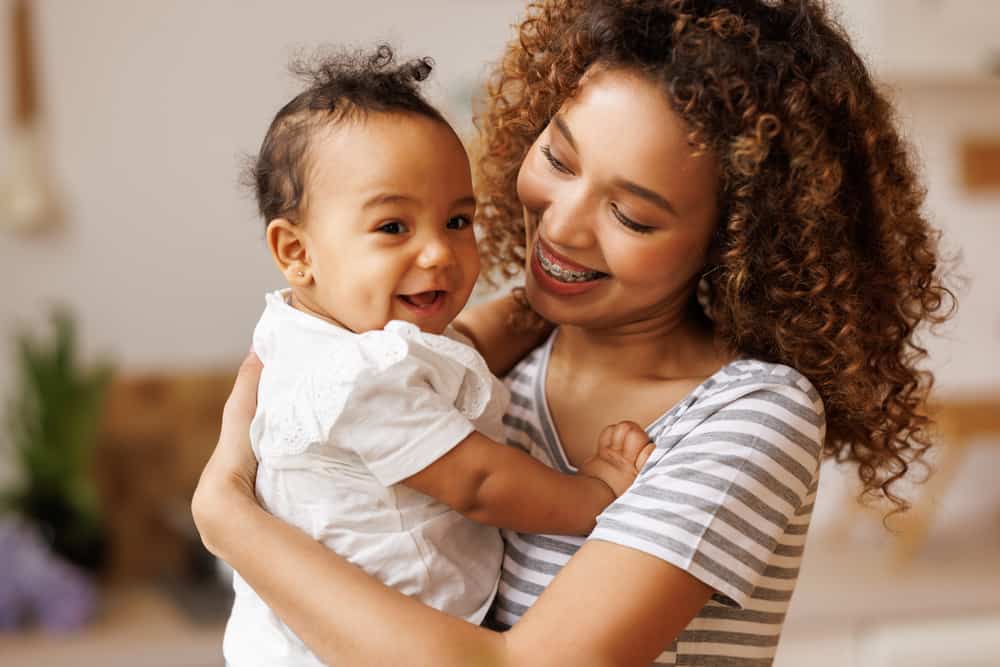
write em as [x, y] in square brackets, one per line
[731, 480]
[746, 377]
[763, 405]
[749, 369]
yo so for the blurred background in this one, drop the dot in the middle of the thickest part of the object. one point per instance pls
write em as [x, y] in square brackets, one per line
[135, 269]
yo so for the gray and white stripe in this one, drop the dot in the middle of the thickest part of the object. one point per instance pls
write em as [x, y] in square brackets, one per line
[727, 496]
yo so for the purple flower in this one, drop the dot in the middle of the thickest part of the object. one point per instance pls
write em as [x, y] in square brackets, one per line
[36, 583]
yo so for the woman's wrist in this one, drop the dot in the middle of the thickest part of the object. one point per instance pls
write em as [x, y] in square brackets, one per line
[217, 505]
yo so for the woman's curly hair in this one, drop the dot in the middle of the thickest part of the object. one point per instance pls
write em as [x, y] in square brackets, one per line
[826, 262]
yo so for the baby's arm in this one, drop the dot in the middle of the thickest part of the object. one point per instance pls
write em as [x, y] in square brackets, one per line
[488, 326]
[505, 487]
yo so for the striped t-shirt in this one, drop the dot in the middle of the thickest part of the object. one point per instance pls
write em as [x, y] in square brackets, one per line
[726, 496]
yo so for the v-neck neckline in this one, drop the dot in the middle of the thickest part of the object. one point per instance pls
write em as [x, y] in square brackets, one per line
[553, 444]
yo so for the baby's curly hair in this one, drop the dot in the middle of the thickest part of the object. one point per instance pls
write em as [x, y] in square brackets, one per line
[826, 262]
[340, 86]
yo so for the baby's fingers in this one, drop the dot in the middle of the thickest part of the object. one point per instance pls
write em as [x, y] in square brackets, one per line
[618, 434]
[636, 446]
[615, 458]
[631, 436]
[605, 439]
[644, 455]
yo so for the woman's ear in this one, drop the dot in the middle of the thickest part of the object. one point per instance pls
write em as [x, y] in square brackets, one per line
[714, 255]
[287, 244]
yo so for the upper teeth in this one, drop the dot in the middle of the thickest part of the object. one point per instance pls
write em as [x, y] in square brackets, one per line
[564, 274]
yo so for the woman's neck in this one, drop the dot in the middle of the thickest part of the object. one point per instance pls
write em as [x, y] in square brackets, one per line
[675, 350]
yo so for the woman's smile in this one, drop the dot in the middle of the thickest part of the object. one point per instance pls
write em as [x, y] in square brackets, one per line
[560, 276]
[562, 268]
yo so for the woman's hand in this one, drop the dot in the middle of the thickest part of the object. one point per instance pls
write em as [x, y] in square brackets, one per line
[230, 473]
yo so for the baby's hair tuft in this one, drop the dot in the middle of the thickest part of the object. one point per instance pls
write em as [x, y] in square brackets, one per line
[340, 85]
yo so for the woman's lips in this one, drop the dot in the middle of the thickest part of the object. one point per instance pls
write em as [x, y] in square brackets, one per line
[559, 275]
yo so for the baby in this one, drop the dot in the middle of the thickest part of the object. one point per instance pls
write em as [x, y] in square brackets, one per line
[378, 426]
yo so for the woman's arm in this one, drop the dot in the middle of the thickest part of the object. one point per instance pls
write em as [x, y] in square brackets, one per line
[610, 607]
[339, 611]
[488, 326]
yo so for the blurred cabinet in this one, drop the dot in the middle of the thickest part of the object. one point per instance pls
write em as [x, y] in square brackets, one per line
[914, 41]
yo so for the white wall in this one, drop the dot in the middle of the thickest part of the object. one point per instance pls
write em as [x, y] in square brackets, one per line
[966, 356]
[939, 60]
[150, 107]
[151, 104]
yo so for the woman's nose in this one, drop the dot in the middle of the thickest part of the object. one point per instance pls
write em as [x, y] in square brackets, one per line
[569, 222]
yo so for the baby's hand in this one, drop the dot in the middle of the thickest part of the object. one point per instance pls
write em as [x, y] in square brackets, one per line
[622, 449]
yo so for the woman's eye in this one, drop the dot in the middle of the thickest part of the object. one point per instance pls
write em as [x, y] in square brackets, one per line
[629, 223]
[554, 161]
[459, 222]
[393, 227]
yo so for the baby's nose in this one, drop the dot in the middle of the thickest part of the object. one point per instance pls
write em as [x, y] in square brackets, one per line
[436, 253]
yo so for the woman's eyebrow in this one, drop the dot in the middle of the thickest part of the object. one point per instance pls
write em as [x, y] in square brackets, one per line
[649, 195]
[564, 130]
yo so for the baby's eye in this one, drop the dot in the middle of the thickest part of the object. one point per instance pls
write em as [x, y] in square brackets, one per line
[392, 227]
[459, 222]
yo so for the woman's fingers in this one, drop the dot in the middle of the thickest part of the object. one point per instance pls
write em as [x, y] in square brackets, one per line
[233, 458]
[232, 464]
[242, 401]
[234, 447]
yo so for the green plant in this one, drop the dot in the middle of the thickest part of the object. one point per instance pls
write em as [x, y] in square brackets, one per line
[53, 420]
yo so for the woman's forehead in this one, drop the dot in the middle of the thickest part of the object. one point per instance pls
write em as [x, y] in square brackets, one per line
[623, 123]
[622, 102]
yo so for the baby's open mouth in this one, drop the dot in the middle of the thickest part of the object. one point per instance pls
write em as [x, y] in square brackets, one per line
[423, 299]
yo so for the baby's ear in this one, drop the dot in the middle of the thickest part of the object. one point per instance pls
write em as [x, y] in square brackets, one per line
[287, 244]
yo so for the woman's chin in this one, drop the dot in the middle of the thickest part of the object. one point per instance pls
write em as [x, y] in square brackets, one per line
[558, 311]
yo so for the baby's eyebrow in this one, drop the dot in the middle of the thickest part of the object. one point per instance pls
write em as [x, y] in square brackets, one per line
[387, 198]
[396, 198]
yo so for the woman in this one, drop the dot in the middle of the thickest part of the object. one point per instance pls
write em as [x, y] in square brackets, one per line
[638, 155]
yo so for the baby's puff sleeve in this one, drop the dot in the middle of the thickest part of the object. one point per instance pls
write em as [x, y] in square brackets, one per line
[401, 415]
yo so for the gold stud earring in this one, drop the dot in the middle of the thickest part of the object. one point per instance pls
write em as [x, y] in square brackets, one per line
[302, 274]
